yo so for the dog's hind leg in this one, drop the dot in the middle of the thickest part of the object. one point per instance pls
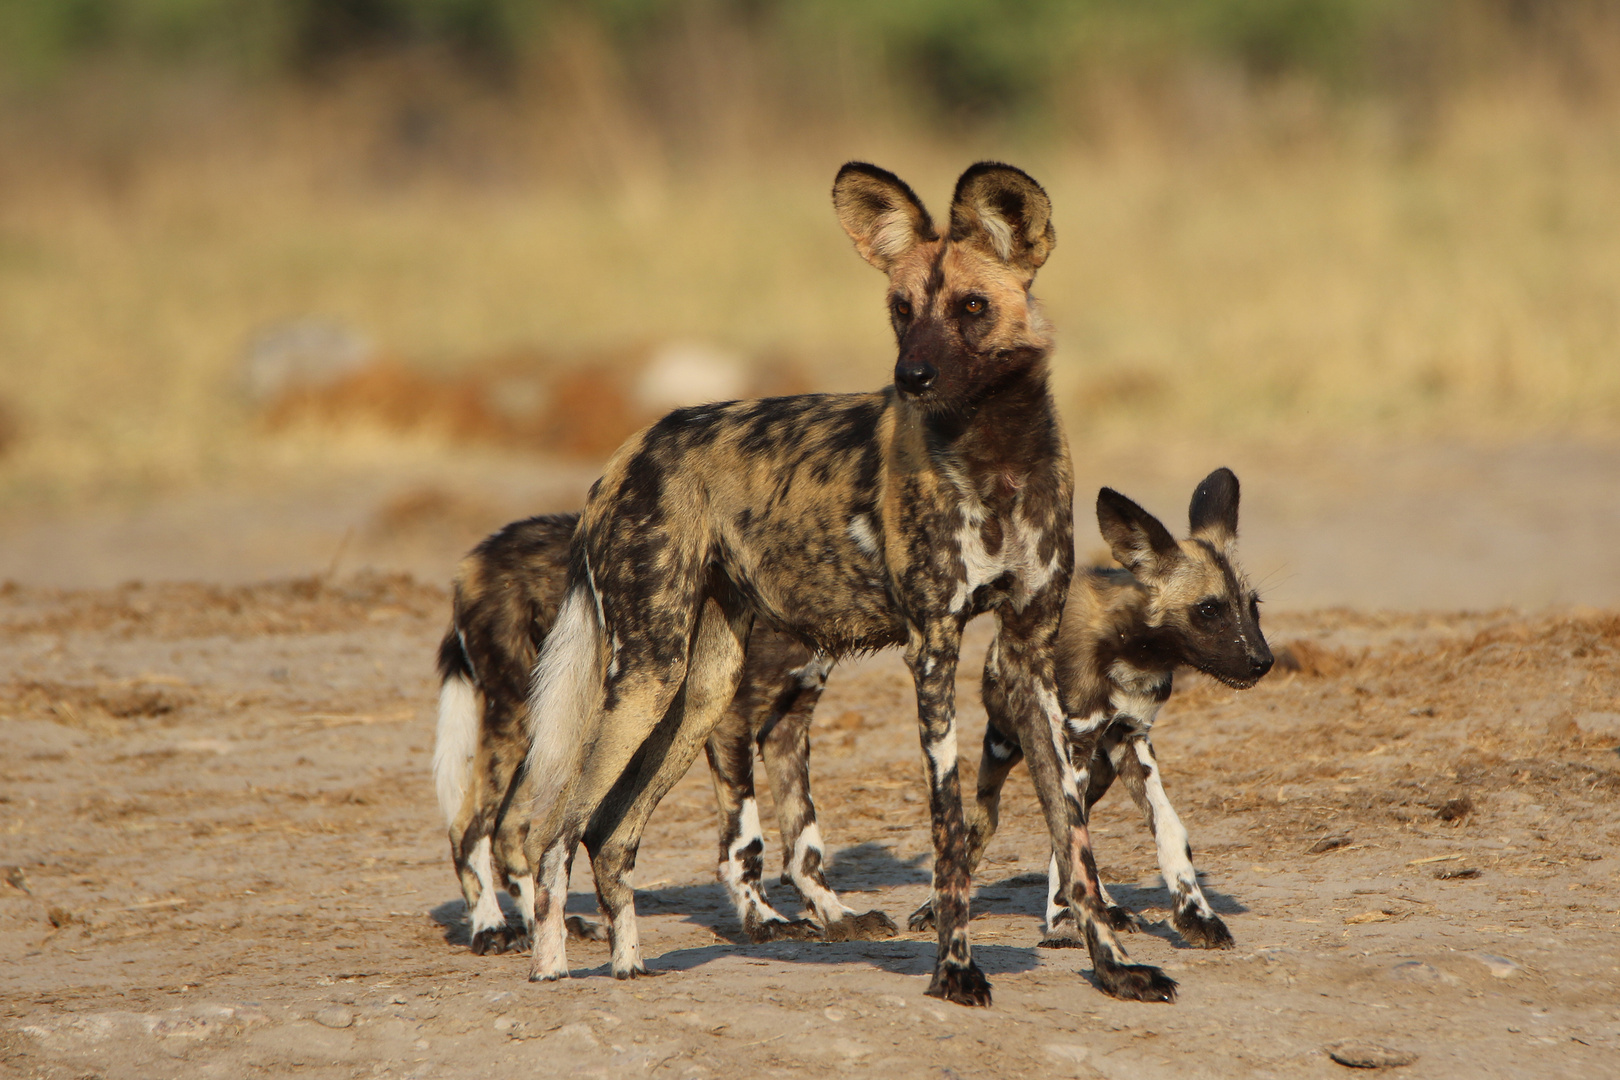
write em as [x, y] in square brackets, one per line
[1191, 914]
[783, 734]
[615, 830]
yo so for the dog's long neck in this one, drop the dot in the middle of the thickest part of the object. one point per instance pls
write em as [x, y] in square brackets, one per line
[1003, 436]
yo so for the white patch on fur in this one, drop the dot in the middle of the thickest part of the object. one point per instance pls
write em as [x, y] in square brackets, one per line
[748, 831]
[454, 744]
[813, 675]
[551, 935]
[1054, 885]
[1000, 751]
[1170, 836]
[1081, 726]
[829, 909]
[486, 913]
[893, 234]
[525, 886]
[860, 531]
[567, 693]
[999, 231]
[626, 942]
[942, 752]
[1017, 555]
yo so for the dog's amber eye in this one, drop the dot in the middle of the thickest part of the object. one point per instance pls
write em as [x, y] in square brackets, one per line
[902, 309]
[974, 305]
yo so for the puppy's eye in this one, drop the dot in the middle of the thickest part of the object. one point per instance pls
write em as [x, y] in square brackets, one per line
[974, 305]
[1209, 610]
[902, 309]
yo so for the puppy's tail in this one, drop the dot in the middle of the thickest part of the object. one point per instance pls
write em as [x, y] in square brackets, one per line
[566, 694]
[456, 740]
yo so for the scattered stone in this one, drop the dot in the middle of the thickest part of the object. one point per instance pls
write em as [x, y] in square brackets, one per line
[578, 1033]
[1499, 966]
[1415, 971]
[1365, 1055]
[15, 878]
[504, 1023]
[1329, 843]
[59, 917]
[1068, 1057]
[333, 1016]
[1457, 873]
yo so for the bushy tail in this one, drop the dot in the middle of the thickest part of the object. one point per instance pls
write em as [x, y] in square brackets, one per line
[567, 690]
[456, 740]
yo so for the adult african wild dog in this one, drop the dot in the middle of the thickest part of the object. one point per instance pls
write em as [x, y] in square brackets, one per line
[1124, 633]
[850, 522]
[507, 592]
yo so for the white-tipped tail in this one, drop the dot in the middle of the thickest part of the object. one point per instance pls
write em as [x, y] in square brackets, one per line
[567, 690]
[455, 744]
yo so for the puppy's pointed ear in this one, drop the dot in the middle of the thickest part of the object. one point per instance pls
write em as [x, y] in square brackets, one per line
[1005, 213]
[1213, 514]
[1138, 540]
[880, 213]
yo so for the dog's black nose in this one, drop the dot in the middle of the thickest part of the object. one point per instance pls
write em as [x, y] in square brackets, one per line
[1259, 665]
[914, 376]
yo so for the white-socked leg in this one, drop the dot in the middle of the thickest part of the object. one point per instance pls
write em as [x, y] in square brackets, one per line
[1191, 913]
[551, 933]
[805, 872]
[626, 936]
[486, 914]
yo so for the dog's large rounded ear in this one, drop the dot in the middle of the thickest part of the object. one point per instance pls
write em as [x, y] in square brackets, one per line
[1005, 213]
[880, 213]
[1138, 540]
[1213, 514]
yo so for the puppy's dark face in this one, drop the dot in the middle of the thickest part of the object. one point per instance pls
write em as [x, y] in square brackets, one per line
[959, 303]
[1203, 608]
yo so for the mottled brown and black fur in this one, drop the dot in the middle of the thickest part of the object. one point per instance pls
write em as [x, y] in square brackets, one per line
[850, 522]
[507, 593]
[1124, 633]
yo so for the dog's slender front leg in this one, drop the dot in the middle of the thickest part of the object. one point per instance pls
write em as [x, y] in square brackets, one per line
[1000, 753]
[1191, 915]
[932, 656]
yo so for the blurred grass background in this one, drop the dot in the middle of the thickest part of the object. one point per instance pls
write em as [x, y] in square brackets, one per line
[1281, 221]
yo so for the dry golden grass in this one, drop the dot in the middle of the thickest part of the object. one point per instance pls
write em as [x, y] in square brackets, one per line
[1249, 287]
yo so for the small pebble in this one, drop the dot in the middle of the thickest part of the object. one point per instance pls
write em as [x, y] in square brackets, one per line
[504, 1023]
[1499, 966]
[334, 1016]
[1366, 1055]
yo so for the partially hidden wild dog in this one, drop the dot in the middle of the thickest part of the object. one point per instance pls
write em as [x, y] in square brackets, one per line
[507, 592]
[849, 522]
[1124, 633]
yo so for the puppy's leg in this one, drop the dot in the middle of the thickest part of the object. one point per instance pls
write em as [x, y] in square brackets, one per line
[1192, 916]
[1047, 737]
[783, 733]
[742, 844]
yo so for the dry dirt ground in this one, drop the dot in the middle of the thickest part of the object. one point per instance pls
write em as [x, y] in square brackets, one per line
[222, 858]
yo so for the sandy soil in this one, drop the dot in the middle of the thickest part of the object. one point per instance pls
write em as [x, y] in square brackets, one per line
[222, 858]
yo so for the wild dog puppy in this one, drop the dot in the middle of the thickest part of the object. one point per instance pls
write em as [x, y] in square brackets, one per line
[506, 596]
[1124, 632]
[850, 522]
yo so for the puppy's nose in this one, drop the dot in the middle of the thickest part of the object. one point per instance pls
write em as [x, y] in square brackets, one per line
[1259, 665]
[914, 376]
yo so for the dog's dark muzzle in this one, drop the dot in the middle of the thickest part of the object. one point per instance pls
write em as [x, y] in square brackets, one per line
[913, 376]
